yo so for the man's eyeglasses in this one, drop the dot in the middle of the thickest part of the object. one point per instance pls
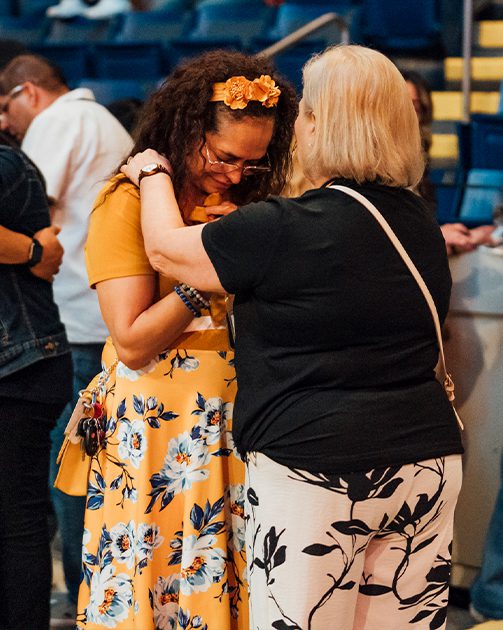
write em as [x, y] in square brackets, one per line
[218, 166]
[4, 108]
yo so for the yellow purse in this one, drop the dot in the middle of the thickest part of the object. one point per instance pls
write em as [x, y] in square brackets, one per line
[73, 471]
[74, 458]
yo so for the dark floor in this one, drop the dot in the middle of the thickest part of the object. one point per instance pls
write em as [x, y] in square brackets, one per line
[458, 619]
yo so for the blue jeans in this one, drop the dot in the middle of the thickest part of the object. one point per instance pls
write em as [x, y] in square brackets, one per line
[487, 590]
[86, 359]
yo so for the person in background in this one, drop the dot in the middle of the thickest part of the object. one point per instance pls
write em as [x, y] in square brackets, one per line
[164, 528]
[34, 355]
[352, 446]
[458, 238]
[487, 590]
[75, 143]
[127, 111]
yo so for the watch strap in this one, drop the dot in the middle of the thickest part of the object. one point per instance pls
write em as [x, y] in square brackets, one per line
[160, 169]
[35, 254]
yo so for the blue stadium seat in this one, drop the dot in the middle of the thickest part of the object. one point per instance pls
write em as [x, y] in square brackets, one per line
[108, 90]
[290, 63]
[34, 7]
[152, 26]
[486, 141]
[6, 8]
[187, 48]
[401, 26]
[291, 16]
[448, 189]
[72, 59]
[483, 192]
[26, 29]
[170, 5]
[119, 60]
[80, 30]
[243, 21]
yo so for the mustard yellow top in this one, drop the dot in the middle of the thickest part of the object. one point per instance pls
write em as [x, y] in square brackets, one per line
[115, 247]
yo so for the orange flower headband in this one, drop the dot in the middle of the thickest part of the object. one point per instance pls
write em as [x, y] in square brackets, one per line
[237, 92]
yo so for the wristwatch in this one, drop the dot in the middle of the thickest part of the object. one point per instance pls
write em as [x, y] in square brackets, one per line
[35, 255]
[152, 169]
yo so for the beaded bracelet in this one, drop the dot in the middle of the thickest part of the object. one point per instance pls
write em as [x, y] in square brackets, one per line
[194, 296]
[196, 312]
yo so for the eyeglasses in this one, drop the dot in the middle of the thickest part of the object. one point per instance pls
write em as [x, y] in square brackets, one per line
[4, 108]
[218, 166]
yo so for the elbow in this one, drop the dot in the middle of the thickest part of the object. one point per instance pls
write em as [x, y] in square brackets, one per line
[157, 261]
[132, 358]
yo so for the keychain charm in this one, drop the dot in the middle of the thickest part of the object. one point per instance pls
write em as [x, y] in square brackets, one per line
[87, 424]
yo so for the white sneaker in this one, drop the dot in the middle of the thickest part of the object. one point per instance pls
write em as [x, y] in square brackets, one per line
[107, 8]
[66, 9]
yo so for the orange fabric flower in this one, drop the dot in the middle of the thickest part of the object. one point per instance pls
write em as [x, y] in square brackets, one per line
[237, 92]
[266, 91]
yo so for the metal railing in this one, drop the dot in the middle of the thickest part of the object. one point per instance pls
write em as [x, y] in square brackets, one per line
[470, 9]
[467, 57]
[308, 29]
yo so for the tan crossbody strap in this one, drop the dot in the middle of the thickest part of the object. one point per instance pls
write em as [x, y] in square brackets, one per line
[448, 383]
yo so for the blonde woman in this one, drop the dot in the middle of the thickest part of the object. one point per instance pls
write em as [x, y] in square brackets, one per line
[352, 447]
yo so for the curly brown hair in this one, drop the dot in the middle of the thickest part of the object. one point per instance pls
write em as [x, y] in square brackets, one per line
[177, 116]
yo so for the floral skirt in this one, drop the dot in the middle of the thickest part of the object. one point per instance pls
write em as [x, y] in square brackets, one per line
[163, 540]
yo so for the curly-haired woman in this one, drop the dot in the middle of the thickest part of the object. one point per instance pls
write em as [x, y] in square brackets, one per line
[164, 528]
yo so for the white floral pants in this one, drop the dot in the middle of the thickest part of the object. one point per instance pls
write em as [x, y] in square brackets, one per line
[358, 551]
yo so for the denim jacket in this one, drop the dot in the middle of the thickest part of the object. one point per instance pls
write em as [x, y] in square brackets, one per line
[30, 326]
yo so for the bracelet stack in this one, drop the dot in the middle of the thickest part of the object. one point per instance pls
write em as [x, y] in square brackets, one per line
[192, 299]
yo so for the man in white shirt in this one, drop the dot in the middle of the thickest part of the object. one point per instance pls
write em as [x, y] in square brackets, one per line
[76, 143]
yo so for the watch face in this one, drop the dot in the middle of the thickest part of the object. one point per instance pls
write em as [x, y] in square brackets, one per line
[149, 168]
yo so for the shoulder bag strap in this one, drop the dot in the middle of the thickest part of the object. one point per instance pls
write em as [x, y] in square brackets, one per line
[448, 383]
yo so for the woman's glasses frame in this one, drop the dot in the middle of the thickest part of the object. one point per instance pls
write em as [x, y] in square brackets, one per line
[219, 166]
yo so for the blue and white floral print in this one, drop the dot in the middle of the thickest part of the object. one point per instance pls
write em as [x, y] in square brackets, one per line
[133, 441]
[124, 543]
[202, 564]
[166, 602]
[235, 517]
[213, 417]
[183, 466]
[111, 597]
[148, 538]
[146, 564]
[186, 363]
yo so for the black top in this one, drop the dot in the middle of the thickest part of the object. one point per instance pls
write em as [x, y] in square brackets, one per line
[336, 346]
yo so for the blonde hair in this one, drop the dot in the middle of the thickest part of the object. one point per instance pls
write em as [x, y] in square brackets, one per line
[366, 128]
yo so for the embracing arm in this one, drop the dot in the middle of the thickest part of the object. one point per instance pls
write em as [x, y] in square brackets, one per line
[15, 250]
[14, 247]
[140, 328]
[172, 248]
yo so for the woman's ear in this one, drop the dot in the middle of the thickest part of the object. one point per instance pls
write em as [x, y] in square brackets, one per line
[310, 127]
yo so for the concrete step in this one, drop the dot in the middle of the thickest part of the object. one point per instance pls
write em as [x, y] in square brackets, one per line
[444, 146]
[448, 105]
[490, 34]
[483, 68]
